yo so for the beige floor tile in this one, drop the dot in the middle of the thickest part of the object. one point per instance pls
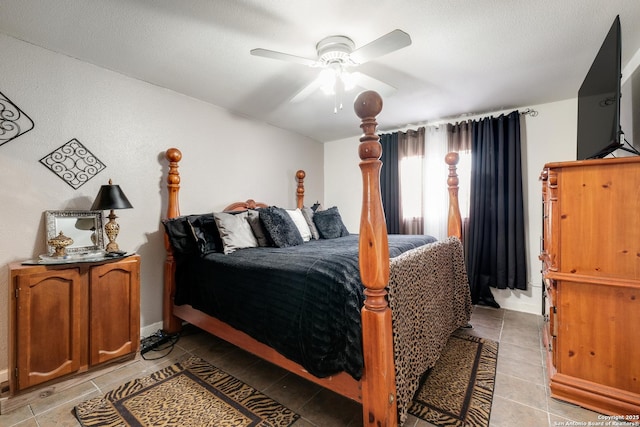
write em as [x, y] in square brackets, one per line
[533, 373]
[507, 413]
[16, 416]
[571, 411]
[261, 375]
[31, 422]
[520, 391]
[77, 392]
[518, 353]
[523, 338]
[328, 409]
[292, 391]
[63, 415]
[482, 319]
[480, 310]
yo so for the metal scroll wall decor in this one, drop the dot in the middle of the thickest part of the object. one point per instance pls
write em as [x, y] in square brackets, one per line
[13, 121]
[73, 163]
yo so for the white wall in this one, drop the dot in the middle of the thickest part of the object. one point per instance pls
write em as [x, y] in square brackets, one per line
[550, 136]
[128, 125]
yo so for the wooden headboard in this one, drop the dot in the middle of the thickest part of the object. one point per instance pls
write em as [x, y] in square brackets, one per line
[252, 204]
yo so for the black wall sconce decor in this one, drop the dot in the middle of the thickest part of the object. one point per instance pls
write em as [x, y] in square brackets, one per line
[73, 163]
[13, 121]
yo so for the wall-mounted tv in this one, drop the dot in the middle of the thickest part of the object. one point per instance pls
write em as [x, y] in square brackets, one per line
[599, 132]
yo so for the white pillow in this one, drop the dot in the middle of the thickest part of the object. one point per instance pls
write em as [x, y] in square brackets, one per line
[235, 231]
[301, 223]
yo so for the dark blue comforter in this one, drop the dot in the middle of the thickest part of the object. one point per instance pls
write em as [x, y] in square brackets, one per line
[304, 301]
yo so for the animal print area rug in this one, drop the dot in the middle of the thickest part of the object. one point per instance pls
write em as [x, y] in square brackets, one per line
[458, 390]
[191, 393]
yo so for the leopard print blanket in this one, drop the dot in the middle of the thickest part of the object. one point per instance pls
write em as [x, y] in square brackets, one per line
[429, 297]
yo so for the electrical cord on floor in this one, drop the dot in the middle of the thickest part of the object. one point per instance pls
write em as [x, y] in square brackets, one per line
[158, 343]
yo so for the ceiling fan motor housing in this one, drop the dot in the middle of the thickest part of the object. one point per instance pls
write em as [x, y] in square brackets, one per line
[335, 49]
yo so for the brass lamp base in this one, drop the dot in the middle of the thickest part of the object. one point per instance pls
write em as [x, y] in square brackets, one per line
[111, 228]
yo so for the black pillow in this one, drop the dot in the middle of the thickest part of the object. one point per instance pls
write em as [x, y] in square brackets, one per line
[279, 227]
[329, 223]
[181, 236]
[206, 233]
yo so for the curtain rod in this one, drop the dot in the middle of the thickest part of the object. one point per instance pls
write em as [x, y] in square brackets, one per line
[529, 111]
[466, 116]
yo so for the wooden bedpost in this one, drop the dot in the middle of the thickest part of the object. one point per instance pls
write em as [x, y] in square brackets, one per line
[300, 190]
[170, 323]
[378, 380]
[454, 221]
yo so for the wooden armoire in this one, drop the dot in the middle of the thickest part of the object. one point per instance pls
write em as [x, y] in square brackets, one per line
[591, 272]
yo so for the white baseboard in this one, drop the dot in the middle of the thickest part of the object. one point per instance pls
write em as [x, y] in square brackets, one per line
[150, 329]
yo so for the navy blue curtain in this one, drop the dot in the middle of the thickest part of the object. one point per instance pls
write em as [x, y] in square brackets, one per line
[390, 182]
[494, 243]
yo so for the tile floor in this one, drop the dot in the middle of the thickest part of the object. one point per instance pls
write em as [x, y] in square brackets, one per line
[521, 397]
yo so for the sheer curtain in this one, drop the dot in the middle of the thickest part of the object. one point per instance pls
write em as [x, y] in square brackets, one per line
[435, 194]
[410, 159]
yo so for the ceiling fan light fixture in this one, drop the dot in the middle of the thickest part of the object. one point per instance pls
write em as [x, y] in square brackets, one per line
[335, 79]
[327, 81]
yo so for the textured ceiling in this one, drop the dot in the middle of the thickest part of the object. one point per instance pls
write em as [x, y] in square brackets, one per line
[467, 56]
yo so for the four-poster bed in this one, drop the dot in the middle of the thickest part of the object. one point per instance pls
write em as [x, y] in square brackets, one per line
[381, 359]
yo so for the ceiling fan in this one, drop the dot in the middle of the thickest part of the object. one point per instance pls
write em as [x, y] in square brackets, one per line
[336, 55]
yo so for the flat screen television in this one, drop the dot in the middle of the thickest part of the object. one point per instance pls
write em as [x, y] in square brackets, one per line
[599, 132]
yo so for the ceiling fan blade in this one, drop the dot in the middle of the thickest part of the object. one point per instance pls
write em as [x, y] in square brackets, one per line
[306, 91]
[396, 39]
[367, 82]
[272, 54]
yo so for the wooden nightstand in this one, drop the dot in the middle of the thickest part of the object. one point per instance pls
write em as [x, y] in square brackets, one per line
[70, 318]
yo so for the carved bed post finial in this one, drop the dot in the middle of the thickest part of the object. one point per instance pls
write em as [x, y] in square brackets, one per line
[454, 222]
[170, 323]
[378, 380]
[173, 182]
[300, 190]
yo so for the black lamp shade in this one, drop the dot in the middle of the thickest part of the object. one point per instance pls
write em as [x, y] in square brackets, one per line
[110, 197]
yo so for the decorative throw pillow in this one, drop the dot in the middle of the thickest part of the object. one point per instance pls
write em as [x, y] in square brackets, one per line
[301, 223]
[280, 227]
[235, 231]
[257, 228]
[181, 235]
[329, 223]
[206, 233]
[308, 216]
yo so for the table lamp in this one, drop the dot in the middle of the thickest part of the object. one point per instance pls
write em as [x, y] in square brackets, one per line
[111, 197]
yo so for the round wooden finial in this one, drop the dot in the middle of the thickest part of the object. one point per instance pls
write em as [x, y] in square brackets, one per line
[173, 155]
[452, 158]
[300, 174]
[368, 104]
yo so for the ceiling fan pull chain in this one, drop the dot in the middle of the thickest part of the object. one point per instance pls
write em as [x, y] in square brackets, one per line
[338, 93]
